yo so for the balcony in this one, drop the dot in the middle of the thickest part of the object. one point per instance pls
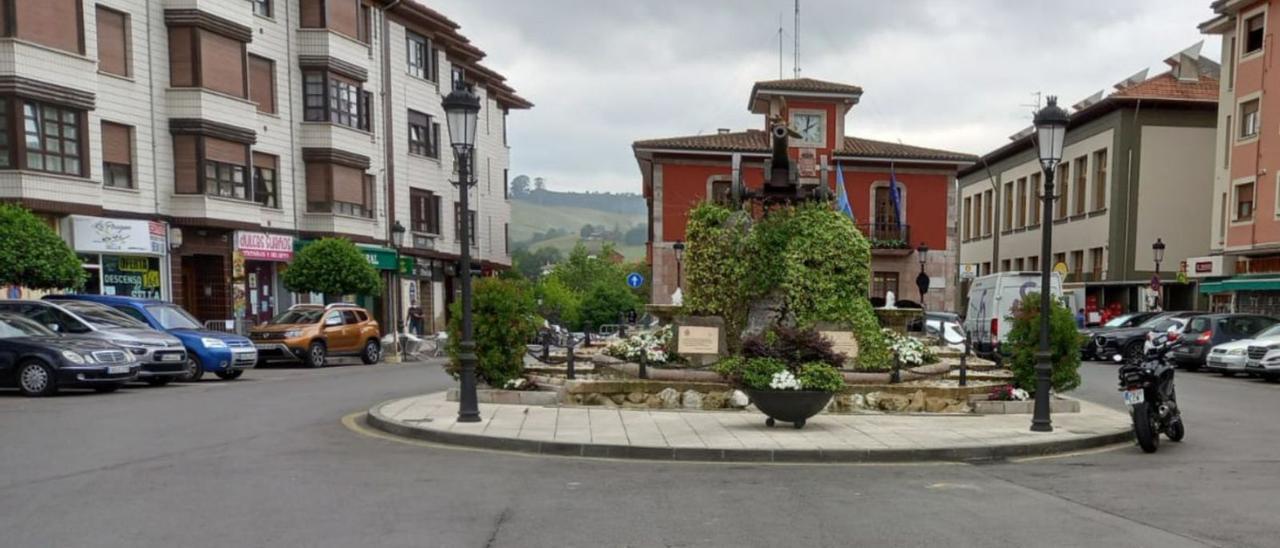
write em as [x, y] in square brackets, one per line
[888, 238]
[204, 104]
[239, 13]
[63, 76]
[340, 53]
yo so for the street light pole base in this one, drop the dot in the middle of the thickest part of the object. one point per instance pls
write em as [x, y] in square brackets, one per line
[468, 406]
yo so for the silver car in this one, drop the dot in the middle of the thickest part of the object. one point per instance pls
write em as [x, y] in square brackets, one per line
[162, 355]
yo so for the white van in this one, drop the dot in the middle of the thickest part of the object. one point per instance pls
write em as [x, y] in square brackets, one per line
[990, 314]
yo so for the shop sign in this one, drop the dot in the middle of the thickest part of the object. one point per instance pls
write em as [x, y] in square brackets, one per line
[117, 236]
[407, 266]
[968, 271]
[260, 246]
[380, 257]
[1209, 267]
[131, 276]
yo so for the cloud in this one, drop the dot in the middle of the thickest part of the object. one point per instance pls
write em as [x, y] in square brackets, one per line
[952, 74]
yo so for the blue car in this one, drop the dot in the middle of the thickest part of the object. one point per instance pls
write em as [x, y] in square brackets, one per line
[223, 354]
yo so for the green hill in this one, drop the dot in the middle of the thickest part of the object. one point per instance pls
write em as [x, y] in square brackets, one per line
[565, 213]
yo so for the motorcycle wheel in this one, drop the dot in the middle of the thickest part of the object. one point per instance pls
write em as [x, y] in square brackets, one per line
[1144, 428]
[1176, 430]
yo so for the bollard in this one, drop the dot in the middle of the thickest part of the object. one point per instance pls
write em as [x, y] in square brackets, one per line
[586, 333]
[546, 347]
[896, 376]
[569, 373]
[964, 362]
[644, 369]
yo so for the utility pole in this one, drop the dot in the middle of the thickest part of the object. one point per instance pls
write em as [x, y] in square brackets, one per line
[779, 45]
[795, 46]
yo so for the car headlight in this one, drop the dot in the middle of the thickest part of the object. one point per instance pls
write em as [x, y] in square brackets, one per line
[73, 357]
[135, 350]
[213, 343]
[292, 333]
[1236, 352]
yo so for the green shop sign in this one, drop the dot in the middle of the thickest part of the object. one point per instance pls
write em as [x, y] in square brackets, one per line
[381, 258]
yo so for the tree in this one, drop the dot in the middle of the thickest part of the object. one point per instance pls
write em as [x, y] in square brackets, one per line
[605, 303]
[32, 255]
[520, 186]
[503, 322]
[333, 267]
[539, 184]
[557, 304]
[1024, 342]
[636, 235]
[586, 231]
[581, 272]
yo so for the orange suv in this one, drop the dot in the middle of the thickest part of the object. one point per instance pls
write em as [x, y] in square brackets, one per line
[310, 333]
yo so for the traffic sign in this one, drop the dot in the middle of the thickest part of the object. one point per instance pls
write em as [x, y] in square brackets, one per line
[635, 280]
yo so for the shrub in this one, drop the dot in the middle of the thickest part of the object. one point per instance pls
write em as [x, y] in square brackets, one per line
[333, 267]
[558, 304]
[792, 345]
[32, 255]
[503, 321]
[910, 350]
[606, 303]
[646, 348]
[776, 374]
[716, 268]
[820, 376]
[1024, 341]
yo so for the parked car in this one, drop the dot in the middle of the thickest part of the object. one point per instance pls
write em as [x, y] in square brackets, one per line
[988, 318]
[944, 325]
[39, 361]
[1209, 330]
[1233, 357]
[1264, 361]
[1122, 321]
[226, 355]
[1130, 341]
[310, 333]
[161, 355]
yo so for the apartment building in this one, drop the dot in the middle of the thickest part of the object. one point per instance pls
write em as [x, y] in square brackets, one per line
[187, 148]
[1136, 169]
[1241, 272]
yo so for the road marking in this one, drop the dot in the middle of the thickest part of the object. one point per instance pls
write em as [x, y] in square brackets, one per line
[1081, 453]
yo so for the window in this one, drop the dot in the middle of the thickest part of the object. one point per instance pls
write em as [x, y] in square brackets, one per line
[117, 155]
[884, 282]
[1244, 202]
[364, 32]
[1019, 264]
[1250, 119]
[262, 83]
[1005, 264]
[1095, 260]
[57, 24]
[1035, 192]
[53, 138]
[506, 184]
[226, 180]
[339, 189]
[261, 7]
[986, 268]
[1033, 263]
[976, 217]
[967, 213]
[1063, 176]
[1059, 258]
[1007, 220]
[424, 211]
[421, 138]
[1082, 183]
[1253, 33]
[721, 192]
[1077, 262]
[1022, 204]
[1231, 65]
[421, 57]
[332, 98]
[266, 188]
[988, 210]
[506, 238]
[458, 76]
[457, 224]
[471, 167]
[1226, 146]
[113, 41]
[1100, 180]
[204, 59]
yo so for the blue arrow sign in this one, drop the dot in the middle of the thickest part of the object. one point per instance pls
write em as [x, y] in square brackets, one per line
[635, 280]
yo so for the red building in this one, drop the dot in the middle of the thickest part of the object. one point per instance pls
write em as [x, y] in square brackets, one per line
[680, 172]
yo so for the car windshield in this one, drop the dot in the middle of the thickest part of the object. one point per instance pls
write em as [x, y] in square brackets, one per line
[11, 327]
[1162, 324]
[1270, 332]
[1119, 321]
[102, 317]
[172, 317]
[299, 315]
[1155, 321]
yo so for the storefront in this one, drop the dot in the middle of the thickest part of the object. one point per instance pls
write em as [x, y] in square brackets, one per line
[1214, 276]
[258, 261]
[423, 284]
[387, 262]
[124, 257]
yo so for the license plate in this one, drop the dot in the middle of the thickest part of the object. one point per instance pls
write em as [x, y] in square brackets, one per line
[117, 369]
[171, 358]
[1134, 397]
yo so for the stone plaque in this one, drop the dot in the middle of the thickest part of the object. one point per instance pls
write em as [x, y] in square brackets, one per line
[698, 340]
[843, 342]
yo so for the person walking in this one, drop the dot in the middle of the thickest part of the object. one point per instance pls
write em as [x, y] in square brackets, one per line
[1080, 319]
[415, 319]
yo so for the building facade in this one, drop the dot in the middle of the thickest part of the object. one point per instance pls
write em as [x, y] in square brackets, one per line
[1135, 169]
[229, 134]
[1242, 270]
[680, 172]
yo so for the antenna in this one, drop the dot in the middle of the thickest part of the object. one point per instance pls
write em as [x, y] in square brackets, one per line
[795, 46]
[1035, 106]
[779, 45]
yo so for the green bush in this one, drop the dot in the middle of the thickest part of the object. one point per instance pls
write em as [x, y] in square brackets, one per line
[1024, 341]
[753, 373]
[606, 303]
[32, 255]
[793, 346]
[820, 376]
[717, 272]
[558, 304]
[503, 322]
[333, 267]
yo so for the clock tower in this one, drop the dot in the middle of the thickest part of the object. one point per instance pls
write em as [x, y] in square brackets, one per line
[815, 112]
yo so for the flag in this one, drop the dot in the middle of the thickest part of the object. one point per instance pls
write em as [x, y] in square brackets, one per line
[842, 197]
[895, 195]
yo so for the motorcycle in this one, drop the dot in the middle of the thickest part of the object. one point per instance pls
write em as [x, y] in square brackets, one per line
[1146, 384]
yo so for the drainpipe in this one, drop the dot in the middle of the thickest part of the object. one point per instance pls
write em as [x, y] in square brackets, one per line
[1124, 240]
[389, 167]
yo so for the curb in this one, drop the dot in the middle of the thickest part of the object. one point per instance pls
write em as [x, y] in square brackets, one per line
[377, 420]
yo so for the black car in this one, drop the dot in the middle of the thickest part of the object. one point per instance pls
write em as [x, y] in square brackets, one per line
[39, 361]
[1207, 331]
[1123, 321]
[1128, 341]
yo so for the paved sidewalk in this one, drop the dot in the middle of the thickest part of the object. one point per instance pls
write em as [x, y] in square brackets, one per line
[743, 437]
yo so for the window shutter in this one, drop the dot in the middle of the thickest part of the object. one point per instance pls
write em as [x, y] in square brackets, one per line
[435, 139]
[432, 65]
[262, 83]
[113, 42]
[117, 144]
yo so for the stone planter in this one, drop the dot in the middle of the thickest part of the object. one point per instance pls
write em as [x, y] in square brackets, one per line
[793, 406]
[1056, 405]
[520, 397]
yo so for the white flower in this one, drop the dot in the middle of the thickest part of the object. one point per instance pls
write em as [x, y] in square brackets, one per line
[1021, 395]
[784, 380]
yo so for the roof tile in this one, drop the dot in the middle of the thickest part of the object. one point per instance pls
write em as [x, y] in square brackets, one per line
[754, 140]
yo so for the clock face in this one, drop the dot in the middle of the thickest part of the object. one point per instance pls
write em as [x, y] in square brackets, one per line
[809, 126]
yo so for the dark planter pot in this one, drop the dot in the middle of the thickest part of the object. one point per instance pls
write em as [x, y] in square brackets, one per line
[793, 406]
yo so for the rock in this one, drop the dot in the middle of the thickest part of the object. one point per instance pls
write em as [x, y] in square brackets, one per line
[691, 399]
[608, 403]
[633, 405]
[652, 401]
[670, 398]
[893, 402]
[873, 400]
[957, 407]
[738, 399]
[714, 400]
[936, 405]
[593, 399]
[637, 397]
[916, 404]
[858, 401]
[618, 398]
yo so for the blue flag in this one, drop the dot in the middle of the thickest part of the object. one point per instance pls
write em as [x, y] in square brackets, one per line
[842, 197]
[895, 195]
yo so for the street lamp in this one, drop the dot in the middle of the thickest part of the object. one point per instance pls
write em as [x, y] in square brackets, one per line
[678, 247]
[461, 108]
[1051, 130]
[397, 234]
[1157, 249]
[922, 279]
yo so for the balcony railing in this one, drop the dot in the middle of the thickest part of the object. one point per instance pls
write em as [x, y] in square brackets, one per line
[887, 235]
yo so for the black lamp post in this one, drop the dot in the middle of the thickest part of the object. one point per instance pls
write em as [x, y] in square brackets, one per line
[922, 279]
[1157, 250]
[397, 240]
[678, 247]
[461, 108]
[1051, 130]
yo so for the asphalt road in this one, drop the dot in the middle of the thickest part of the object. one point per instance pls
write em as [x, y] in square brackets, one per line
[268, 461]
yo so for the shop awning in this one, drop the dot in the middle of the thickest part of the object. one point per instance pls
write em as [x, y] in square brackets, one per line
[382, 258]
[1266, 282]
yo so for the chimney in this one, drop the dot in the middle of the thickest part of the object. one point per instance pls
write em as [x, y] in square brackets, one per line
[723, 131]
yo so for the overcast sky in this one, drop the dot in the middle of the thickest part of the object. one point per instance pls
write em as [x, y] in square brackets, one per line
[951, 74]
